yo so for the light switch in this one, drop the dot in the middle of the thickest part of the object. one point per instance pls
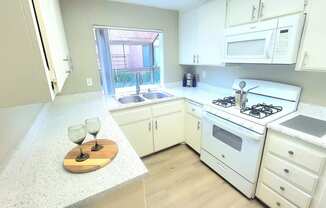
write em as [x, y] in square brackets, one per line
[89, 82]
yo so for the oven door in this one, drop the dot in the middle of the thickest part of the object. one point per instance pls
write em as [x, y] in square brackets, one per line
[254, 47]
[237, 147]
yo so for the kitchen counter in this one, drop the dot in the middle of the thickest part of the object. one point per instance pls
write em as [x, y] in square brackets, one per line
[313, 111]
[35, 177]
[203, 94]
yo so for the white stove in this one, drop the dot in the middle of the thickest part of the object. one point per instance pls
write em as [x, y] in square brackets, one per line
[233, 138]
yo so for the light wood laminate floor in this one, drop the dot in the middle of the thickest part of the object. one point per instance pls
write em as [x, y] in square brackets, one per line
[178, 179]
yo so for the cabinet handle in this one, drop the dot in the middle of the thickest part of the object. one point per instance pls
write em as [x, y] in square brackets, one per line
[253, 12]
[197, 59]
[291, 152]
[286, 171]
[278, 204]
[68, 59]
[156, 125]
[198, 125]
[262, 6]
[282, 188]
[150, 126]
[194, 59]
[304, 58]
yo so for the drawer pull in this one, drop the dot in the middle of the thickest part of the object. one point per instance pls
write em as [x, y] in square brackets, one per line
[278, 204]
[286, 171]
[223, 156]
[282, 188]
[291, 152]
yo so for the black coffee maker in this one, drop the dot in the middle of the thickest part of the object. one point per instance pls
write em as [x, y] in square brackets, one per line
[189, 80]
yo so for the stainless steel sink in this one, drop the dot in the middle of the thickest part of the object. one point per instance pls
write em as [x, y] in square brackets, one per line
[131, 99]
[155, 95]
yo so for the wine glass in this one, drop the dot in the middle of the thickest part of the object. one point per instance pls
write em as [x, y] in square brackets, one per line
[93, 126]
[77, 135]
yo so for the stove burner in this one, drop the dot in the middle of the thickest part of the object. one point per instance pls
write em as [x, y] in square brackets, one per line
[225, 102]
[261, 110]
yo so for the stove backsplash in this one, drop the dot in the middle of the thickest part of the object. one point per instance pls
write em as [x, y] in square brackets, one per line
[311, 82]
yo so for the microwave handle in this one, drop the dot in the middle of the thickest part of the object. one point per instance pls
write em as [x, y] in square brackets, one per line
[268, 46]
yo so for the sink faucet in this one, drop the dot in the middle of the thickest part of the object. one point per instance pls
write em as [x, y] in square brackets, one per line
[138, 82]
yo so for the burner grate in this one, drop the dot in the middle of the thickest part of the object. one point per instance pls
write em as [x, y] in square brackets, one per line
[261, 111]
[225, 102]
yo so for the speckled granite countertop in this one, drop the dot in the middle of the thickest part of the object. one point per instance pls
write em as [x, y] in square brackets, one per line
[203, 94]
[318, 112]
[35, 177]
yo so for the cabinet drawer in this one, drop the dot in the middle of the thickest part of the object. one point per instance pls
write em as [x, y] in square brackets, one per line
[194, 109]
[301, 178]
[295, 152]
[285, 189]
[132, 115]
[272, 199]
[167, 108]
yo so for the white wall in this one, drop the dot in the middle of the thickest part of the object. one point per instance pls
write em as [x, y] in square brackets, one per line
[79, 18]
[313, 83]
[15, 123]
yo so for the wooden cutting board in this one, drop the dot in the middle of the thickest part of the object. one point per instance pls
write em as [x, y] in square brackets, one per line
[96, 160]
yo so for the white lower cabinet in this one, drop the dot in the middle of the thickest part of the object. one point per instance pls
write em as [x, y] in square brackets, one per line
[192, 120]
[140, 136]
[192, 131]
[153, 127]
[168, 130]
[290, 173]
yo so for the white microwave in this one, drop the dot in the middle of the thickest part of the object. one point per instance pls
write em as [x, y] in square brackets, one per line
[274, 41]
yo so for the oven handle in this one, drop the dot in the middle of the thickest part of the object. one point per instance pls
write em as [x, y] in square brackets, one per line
[232, 127]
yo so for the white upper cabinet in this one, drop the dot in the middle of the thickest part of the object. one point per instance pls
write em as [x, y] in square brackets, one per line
[188, 28]
[201, 34]
[49, 18]
[242, 12]
[211, 18]
[275, 8]
[313, 44]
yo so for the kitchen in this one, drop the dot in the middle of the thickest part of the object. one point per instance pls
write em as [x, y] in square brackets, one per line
[250, 134]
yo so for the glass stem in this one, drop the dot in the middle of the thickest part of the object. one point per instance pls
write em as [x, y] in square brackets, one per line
[81, 150]
[95, 137]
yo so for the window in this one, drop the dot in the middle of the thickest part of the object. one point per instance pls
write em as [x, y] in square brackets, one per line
[123, 53]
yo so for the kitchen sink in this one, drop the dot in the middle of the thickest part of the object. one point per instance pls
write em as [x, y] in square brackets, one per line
[155, 95]
[131, 99]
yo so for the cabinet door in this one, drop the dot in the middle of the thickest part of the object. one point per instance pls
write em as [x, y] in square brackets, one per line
[188, 32]
[242, 12]
[193, 132]
[140, 136]
[211, 22]
[275, 8]
[311, 54]
[53, 36]
[168, 130]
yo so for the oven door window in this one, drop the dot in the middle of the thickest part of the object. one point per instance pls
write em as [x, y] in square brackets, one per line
[227, 138]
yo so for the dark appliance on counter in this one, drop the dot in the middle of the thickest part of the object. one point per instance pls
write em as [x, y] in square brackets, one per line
[189, 80]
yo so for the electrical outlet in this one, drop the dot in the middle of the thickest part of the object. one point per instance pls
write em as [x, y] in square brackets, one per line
[89, 82]
[203, 74]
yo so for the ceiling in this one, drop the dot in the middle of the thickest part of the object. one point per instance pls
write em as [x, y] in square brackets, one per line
[165, 4]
